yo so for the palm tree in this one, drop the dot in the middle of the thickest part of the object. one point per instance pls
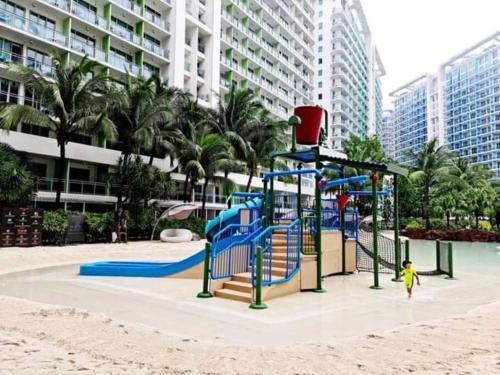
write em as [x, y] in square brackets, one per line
[447, 202]
[204, 158]
[479, 199]
[363, 149]
[69, 104]
[262, 139]
[462, 175]
[140, 114]
[16, 182]
[431, 164]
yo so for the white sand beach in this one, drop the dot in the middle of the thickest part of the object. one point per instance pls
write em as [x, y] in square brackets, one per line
[438, 332]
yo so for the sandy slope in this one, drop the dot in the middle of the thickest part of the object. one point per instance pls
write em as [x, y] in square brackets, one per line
[45, 339]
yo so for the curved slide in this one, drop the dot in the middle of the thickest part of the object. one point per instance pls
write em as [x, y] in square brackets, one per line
[191, 267]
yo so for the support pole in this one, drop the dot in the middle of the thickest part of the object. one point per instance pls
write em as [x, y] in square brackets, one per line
[206, 293]
[264, 207]
[407, 250]
[319, 287]
[397, 242]
[258, 305]
[270, 220]
[299, 202]
[438, 255]
[450, 261]
[374, 179]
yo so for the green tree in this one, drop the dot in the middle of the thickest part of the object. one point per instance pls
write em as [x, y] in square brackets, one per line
[431, 164]
[16, 182]
[447, 203]
[69, 104]
[479, 200]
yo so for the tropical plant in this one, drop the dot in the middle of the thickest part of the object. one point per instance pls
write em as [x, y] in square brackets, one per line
[478, 200]
[54, 226]
[16, 182]
[363, 149]
[447, 204]
[430, 166]
[69, 104]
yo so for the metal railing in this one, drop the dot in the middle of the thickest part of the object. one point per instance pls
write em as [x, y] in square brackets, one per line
[289, 258]
[43, 69]
[232, 249]
[74, 186]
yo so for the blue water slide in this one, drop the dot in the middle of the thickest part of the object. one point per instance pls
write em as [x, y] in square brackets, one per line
[344, 181]
[228, 217]
[367, 193]
[141, 269]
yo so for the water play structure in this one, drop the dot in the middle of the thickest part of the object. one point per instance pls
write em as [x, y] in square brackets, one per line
[275, 243]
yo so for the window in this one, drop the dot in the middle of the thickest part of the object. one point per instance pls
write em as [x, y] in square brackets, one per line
[9, 91]
[320, 84]
[320, 49]
[12, 8]
[42, 21]
[320, 37]
[82, 42]
[10, 51]
[320, 96]
[320, 60]
[35, 130]
[122, 55]
[320, 13]
[38, 60]
[320, 26]
[320, 72]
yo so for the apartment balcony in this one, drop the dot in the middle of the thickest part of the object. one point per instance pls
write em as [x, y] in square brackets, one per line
[154, 48]
[61, 4]
[125, 33]
[201, 73]
[130, 6]
[86, 49]
[88, 16]
[44, 69]
[49, 184]
[123, 64]
[154, 19]
[33, 28]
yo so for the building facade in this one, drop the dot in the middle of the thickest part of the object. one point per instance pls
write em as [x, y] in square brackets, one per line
[347, 70]
[387, 134]
[459, 105]
[178, 39]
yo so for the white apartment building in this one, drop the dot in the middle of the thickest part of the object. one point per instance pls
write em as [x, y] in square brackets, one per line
[387, 134]
[459, 106]
[347, 70]
[179, 39]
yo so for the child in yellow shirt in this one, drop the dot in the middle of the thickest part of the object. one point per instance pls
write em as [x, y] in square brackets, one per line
[409, 273]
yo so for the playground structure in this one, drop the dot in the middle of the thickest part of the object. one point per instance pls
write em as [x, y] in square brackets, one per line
[273, 244]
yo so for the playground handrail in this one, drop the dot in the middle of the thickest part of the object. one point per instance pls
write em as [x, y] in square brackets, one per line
[295, 172]
[234, 256]
[292, 259]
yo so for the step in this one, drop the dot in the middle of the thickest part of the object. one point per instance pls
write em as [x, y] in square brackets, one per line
[238, 286]
[275, 271]
[234, 295]
[243, 277]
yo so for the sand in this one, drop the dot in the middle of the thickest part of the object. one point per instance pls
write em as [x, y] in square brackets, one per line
[38, 338]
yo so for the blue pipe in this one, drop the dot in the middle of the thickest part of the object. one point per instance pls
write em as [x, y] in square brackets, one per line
[344, 181]
[382, 193]
[246, 195]
[340, 171]
[270, 175]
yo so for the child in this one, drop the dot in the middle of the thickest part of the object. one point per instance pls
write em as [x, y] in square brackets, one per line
[409, 273]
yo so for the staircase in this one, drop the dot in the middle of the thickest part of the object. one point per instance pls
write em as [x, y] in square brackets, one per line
[239, 288]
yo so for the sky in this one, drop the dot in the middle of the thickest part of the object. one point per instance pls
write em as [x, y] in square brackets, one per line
[415, 36]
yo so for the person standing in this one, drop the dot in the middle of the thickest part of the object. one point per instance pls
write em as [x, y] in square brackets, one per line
[121, 222]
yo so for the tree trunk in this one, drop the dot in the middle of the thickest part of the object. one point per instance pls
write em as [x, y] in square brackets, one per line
[250, 177]
[447, 219]
[186, 182]
[151, 159]
[476, 213]
[426, 207]
[204, 199]
[60, 175]
[119, 196]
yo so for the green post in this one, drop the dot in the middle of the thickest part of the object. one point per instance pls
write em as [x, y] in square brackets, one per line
[299, 200]
[342, 231]
[397, 242]
[206, 293]
[438, 255]
[258, 305]
[407, 250]
[374, 179]
[319, 288]
[450, 261]
[294, 121]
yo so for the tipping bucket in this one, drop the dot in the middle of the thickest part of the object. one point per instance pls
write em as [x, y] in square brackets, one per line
[342, 199]
[308, 131]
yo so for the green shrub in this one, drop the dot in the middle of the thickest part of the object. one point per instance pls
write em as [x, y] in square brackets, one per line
[55, 224]
[98, 226]
[438, 224]
[415, 224]
[484, 225]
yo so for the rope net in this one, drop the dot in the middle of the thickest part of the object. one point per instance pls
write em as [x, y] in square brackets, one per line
[386, 258]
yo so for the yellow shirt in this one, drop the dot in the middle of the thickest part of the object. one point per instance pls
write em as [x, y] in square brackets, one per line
[408, 273]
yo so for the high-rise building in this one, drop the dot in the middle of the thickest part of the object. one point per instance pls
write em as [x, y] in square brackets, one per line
[459, 106]
[387, 134]
[266, 45]
[347, 70]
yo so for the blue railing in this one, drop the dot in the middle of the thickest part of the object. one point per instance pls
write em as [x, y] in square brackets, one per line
[290, 257]
[231, 249]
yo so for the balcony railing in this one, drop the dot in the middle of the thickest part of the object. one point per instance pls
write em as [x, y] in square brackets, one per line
[88, 50]
[62, 4]
[121, 63]
[130, 5]
[124, 33]
[9, 57]
[153, 18]
[153, 47]
[74, 186]
[89, 16]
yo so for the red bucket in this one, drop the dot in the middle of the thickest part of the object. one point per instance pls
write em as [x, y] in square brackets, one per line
[308, 131]
[342, 201]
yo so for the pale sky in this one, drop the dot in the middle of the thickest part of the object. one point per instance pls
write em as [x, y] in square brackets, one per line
[415, 36]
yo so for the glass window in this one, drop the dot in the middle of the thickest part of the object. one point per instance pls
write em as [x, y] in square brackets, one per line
[9, 91]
